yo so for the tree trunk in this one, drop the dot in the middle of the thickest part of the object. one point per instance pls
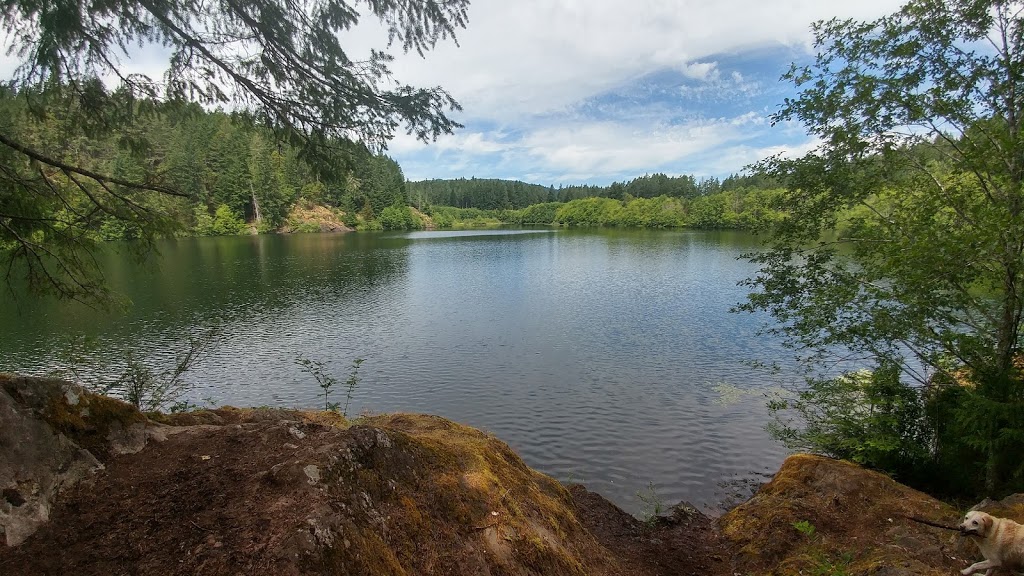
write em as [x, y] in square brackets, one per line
[256, 215]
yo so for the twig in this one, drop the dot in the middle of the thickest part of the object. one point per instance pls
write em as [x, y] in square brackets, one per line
[930, 523]
[200, 527]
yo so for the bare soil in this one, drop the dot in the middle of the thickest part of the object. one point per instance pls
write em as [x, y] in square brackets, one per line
[230, 494]
[685, 542]
[283, 492]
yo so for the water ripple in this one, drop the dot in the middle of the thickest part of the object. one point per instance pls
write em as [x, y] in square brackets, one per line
[594, 354]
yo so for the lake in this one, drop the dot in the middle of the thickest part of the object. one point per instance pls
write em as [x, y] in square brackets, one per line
[607, 357]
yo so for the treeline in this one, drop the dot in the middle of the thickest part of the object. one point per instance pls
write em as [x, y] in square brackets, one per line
[481, 193]
[235, 176]
[741, 208]
[492, 194]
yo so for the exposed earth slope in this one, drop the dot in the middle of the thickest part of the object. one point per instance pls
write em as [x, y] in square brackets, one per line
[91, 487]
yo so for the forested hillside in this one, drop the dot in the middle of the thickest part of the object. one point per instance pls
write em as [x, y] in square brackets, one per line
[653, 201]
[493, 194]
[483, 193]
[230, 174]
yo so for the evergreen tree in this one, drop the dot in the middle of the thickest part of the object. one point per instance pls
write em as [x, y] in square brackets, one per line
[282, 64]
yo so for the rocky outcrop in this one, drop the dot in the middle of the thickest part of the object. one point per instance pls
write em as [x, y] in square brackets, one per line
[271, 491]
[53, 435]
[306, 216]
[283, 492]
[36, 465]
[824, 516]
[1011, 507]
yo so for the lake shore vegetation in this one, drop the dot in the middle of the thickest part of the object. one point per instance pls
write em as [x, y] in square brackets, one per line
[902, 246]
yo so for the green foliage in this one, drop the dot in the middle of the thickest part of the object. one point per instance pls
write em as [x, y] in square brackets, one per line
[480, 193]
[932, 438]
[537, 214]
[653, 507]
[823, 563]
[381, 185]
[326, 381]
[399, 217]
[76, 155]
[660, 212]
[369, 226]
[804, 527]
[449, 217]
[351, 383]
[970, 429]
[741, 208]
[490, 194]
[203, 222]
[920, 171]
[306, 227]
[589, 212]
[134, 380]
[868, 417]
[226, 223]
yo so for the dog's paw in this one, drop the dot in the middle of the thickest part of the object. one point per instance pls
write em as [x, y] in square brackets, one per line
[967, 571]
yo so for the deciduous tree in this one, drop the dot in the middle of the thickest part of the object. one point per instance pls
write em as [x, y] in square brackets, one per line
[920, 170]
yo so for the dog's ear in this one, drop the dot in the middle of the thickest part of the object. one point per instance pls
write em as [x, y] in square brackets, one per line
[986, 524]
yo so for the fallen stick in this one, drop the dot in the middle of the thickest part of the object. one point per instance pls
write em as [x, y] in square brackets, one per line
[930, 523]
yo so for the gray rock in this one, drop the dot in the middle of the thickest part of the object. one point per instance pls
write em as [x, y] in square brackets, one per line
[36, 463]
[313, 473]
[127, 440]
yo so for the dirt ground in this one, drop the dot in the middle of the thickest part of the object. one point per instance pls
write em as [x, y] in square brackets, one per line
[236, 498]
[264, 491]
[685, 542]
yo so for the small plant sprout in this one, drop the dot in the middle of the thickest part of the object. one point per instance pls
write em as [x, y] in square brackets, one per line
[653, 506]
[352, 383]
[326, 381]
[139, 380]
[804, 527]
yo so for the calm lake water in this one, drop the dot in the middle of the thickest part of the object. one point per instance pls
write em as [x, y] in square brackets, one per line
[606, 357]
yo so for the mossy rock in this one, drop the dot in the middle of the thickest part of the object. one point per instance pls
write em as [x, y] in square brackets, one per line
[861, 521]
[100, 424]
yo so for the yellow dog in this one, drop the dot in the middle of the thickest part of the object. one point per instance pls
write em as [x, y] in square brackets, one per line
[1000, 540]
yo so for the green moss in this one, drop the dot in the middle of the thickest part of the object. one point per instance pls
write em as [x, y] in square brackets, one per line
[90, 421]
[445, 495]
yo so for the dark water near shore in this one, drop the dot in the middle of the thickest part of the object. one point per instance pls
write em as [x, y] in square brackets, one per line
[606, 357]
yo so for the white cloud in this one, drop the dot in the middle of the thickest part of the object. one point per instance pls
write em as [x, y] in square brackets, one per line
[527, 67]
[530, 73]
[571, 150]
[535, 56]
[464, 141]
[699, 70]
[732, 159]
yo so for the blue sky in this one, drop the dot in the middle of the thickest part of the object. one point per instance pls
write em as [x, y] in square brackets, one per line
[594, 91]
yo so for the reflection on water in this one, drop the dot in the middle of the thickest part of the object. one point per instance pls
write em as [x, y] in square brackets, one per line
[598, 355]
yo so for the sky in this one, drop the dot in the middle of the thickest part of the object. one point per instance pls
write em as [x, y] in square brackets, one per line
[595, 91]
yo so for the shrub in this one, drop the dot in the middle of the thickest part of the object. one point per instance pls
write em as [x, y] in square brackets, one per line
[867, 417]
[204, 222]
[146, 386]
[589, 212]
[394, 218]
[399, 217]
[944, 438]
[538, 213]
[224, 222]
